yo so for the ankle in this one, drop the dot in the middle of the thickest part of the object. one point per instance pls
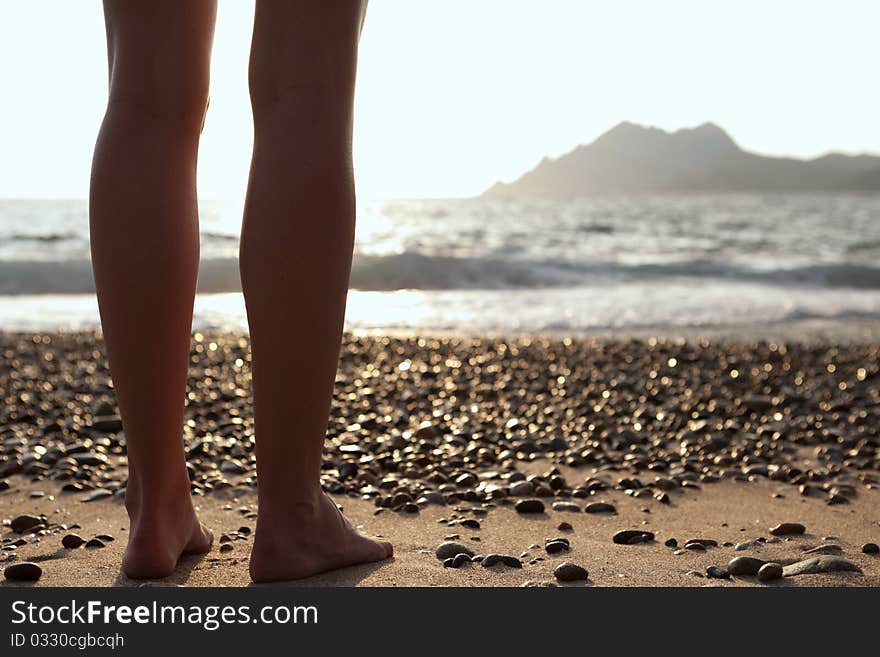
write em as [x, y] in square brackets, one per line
[156, 497]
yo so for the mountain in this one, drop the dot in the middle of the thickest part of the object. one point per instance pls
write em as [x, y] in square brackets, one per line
[635, 159]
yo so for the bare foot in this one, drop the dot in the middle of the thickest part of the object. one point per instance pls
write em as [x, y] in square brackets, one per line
[160, 535]
[308, 539]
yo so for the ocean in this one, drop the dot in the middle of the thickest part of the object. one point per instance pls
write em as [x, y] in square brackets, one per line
[476, 265]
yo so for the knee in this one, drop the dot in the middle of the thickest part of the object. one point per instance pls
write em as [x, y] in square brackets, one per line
[179, 109]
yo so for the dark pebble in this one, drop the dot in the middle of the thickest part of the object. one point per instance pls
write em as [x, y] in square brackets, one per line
[21, 524]
[632, 536]
[470, 523]
[769, 571]
[570, 572]
[95, 543]
[72, 541]
[565, 527]
[745, 566]
[787, 529]
[871, 548]
[226, 547]
[566, 506]
[449, 549]
[529, 506]
[555, 547]
[23, 572]
[600, 507]
[714, 572]
[671, 542]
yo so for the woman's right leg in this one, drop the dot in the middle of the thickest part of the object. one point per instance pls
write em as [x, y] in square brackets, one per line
[296, 250]
[145, 254]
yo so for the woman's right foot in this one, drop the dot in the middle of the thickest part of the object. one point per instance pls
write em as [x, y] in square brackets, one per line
[163, 529]
[307, 539]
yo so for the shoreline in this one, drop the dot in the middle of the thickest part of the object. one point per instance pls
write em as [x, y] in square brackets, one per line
[431, 437]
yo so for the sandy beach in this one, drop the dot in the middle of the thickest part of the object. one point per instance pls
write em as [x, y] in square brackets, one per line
[489, 443]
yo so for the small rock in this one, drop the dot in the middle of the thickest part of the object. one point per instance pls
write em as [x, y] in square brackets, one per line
[449, 549]
[23, 523]
[600, 507]
[226, 547]
[788, 529]
[566, 506]
[555, 547]
[830, 548]
[745, 566]
[96, 495]
[565, 527]
[714, 572]
[25, 571]
[770, 571]
[72, 541]
[671, 543]
[570, 572]
[871, 548]
[823, 564]
[95, 543]
[532, 505]
[632, 536]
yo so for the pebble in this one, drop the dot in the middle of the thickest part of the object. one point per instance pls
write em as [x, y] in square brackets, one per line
[24, 523]
[565, 527]
[830, 548]
[504, 559]
[714, 572]
[745, 566]
[705, 542]
[570, 572]
[24, 571]
[788, 529]
[555, 547]
[566, 506]
[871, 548]
[96, 495]
[95, 543]
[600, 507]
[770, 571]
[530, 583]
[823, 564]
[532, 505]
[72, 541]
[671, 543]
[632, 536]
[449, 549]
[4, 485]
[226, 547]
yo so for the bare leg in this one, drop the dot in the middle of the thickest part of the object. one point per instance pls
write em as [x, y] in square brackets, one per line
[145, 252]
[296, 252]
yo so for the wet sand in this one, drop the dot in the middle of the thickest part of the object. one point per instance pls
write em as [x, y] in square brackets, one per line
[716, 439]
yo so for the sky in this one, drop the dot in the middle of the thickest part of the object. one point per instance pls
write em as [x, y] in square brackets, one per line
[455, 95]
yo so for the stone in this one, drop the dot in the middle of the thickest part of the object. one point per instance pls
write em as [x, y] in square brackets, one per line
[24, 523]
[24, 571]
[714, 572]
[449, 549]
[96, 495]
[770, 571]
[532, 505]
[567, 507]
[95, 543]
[871, 548]
[565, 527]
[555, 547]
[72, 541]
[632, 536]
[788, 529]
[570, 572]
[600, 507]
[822, 564]
[830, 548]
[745, 566]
